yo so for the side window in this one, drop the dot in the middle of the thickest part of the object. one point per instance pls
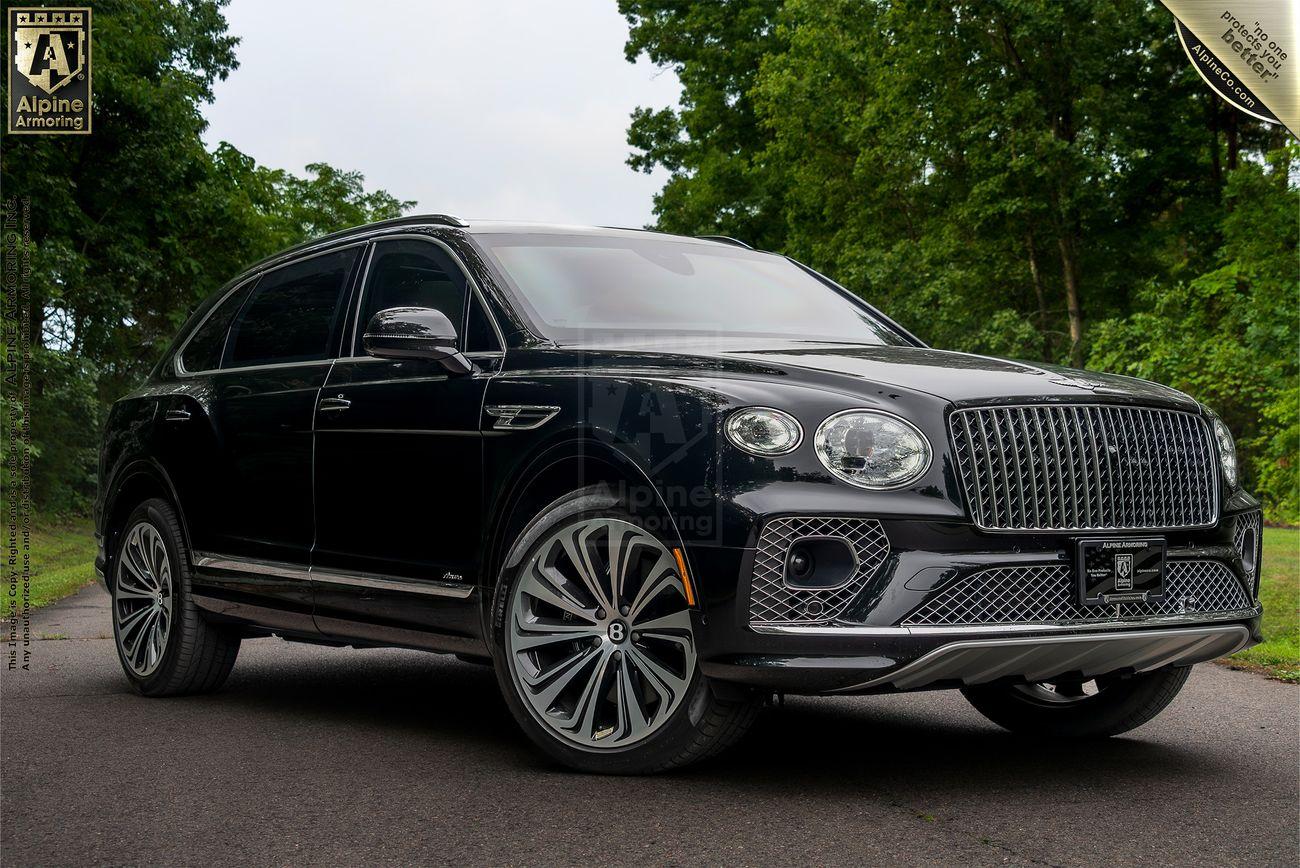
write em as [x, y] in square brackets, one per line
[479, 335]
[293, 313]
[203, 352]
[407, 273]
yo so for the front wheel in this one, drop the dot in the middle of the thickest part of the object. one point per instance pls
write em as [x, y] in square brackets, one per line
[595, 647]
[1079, 708]
[165, 646]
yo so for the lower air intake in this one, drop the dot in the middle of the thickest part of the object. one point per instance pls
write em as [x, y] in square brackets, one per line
[1048, 595]
[774, 601]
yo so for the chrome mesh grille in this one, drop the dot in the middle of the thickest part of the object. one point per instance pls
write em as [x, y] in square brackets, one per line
[772, 602]
[1048, 595]
[1085, 467]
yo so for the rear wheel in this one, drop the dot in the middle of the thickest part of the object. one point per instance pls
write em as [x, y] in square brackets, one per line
[595, 647]
[1079, 708]
[165, 646]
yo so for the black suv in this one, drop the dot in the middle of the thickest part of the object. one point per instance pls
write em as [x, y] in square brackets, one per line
[653, 480]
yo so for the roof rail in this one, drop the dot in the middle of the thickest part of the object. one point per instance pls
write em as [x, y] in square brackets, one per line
[409, 220]
[725, 239]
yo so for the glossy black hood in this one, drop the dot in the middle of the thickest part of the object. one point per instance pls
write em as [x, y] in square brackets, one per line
[957, 377]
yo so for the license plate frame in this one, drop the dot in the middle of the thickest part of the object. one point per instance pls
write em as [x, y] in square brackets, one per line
[1113, 570]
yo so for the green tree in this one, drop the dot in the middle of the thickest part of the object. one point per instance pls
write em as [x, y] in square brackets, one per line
[1229, 335]
[710, 143]
[136, 223]
[1019, 177]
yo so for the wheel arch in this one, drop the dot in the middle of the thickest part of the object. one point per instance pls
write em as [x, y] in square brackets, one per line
[136, 482]
[554, 471]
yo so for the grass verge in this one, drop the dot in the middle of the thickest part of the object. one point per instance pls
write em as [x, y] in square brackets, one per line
[1278, 656]
[63, 559]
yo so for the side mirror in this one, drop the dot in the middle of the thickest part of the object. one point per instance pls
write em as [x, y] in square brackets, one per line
[415, 333]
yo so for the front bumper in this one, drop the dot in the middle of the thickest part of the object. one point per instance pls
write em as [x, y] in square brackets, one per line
[905, 658]
[902, 630]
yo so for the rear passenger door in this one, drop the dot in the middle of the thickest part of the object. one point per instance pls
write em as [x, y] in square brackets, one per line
[276, 358]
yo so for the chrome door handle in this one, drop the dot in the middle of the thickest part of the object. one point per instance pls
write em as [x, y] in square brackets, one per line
[177, 415]
[339, 403]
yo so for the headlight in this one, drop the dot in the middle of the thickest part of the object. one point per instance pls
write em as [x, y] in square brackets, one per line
[764, 431]
[1227, 451]
[871, 449]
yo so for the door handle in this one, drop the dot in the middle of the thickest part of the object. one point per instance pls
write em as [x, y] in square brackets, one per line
[339, 403]
[177, 415]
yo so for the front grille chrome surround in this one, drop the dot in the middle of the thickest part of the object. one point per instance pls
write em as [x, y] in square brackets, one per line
[1048, 594]
[1085, 467]
[772, 601]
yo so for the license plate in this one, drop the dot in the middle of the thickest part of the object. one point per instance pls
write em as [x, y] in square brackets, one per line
[1121, 571]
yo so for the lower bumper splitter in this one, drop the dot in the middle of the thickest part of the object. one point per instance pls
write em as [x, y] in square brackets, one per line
[1041, 658]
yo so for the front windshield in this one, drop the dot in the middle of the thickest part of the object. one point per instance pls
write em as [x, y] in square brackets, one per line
[580, 287]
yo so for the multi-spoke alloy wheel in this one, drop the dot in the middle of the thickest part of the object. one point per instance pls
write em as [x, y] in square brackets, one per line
[166, 646]
[1062, 691]
[598, 634]
[142, 604]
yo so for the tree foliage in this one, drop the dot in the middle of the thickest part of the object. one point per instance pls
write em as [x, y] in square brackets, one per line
[136, 223]
[1044, 179]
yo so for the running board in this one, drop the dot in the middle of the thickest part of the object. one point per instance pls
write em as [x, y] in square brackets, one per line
[1044, 658]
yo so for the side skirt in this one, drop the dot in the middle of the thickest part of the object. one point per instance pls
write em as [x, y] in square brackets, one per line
[237, 589]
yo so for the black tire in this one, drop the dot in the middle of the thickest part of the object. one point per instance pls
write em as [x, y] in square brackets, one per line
[1121, 704]
[708, 719]
[197, 656]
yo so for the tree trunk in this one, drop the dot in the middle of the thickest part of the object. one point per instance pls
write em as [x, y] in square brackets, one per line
[1216, 170]
[1070, 275]
[1234, 144]
[1039, 294]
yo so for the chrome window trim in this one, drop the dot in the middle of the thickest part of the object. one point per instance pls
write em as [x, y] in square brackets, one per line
[475, 289]
[180, 367]
[179, 355]
[268, 367]
[282, 570]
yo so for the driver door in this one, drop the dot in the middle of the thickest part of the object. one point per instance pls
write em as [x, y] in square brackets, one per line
[398, 469]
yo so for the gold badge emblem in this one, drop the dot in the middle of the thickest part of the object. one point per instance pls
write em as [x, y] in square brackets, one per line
[50, 48]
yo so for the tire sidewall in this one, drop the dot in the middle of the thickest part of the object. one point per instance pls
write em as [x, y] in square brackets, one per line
[649, 754]
[1121, 706]
[162, 517]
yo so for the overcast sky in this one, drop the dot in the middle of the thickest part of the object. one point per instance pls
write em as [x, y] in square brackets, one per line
[480, 108]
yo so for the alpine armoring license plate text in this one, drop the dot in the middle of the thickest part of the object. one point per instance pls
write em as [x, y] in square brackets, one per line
[1121, 571]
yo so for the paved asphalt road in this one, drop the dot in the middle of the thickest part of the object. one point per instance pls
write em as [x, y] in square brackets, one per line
[347, 757]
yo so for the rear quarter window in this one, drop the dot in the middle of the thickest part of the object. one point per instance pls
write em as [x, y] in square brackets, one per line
[203, 351]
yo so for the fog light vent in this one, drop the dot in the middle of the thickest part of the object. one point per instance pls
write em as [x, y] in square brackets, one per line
[821, 563]
[808, 569]
[1245, 539]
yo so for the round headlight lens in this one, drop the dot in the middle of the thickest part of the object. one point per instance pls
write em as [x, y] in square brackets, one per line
[872, 449]
[764, 431]
[1227, 451]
